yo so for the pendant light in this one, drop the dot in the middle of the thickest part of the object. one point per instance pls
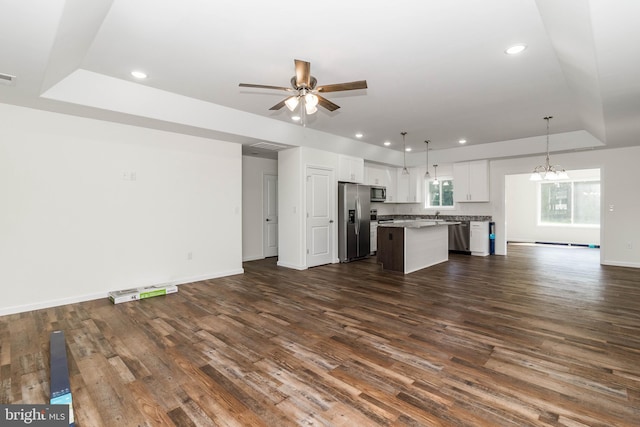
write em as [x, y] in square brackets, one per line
[435, 174]
[426, 174]
[405, 171]
[547, 171]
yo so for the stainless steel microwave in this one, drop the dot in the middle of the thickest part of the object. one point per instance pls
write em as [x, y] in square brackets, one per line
[378, 194]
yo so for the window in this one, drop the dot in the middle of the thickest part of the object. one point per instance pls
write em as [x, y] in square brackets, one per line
[440, 194]
[570, 203]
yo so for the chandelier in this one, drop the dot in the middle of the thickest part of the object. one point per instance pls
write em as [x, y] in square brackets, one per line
[548, 171]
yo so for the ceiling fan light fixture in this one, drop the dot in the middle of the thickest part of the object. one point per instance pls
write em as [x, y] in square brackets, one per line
[310, 109]
[311, 100]
[291, 103]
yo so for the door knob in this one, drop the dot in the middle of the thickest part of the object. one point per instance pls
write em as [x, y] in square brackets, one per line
[268, 219]
[330, 221]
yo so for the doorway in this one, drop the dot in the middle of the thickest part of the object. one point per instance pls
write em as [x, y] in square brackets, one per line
[270, 215]
[563, 213]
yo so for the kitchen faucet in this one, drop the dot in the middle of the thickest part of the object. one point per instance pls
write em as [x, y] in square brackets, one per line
[437, 214]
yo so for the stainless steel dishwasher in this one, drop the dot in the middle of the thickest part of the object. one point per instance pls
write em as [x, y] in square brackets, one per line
[459, 237]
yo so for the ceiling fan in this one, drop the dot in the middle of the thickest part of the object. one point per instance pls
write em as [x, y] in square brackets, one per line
[304, 88]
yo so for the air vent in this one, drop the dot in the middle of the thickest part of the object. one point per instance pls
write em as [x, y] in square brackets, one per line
[7, 79]
[268, 146]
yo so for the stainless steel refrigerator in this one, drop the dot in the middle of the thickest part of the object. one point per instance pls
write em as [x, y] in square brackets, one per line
[353, 221]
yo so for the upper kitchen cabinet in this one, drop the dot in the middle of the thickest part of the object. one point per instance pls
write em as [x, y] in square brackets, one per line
[409, 187]
[376, 175]
[471, 180]
[383, 176]
[350, 169]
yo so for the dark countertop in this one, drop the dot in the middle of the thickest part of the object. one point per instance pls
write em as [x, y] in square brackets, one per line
[418, 223]
[432, 217]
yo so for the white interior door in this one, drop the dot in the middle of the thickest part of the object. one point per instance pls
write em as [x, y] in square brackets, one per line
[270, 215]
[320, 212]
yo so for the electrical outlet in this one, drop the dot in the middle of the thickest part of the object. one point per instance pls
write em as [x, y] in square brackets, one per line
[129, 176]
[629, 245]
[190, 256]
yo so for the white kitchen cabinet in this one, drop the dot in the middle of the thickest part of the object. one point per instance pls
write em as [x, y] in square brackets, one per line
[373, 245]
[409, 187]
[471, 180]
[479, 238]
[376, 175]
[350, 169]
[383, 176]
[392, 185]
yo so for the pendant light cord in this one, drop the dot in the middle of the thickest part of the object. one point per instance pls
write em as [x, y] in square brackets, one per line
[547, 119]
[404, 150]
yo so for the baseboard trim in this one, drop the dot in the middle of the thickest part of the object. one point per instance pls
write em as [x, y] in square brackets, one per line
[621, 264]
[51, 303]
[5, 311]
[194, 279]
[252, 258]
[294, 267]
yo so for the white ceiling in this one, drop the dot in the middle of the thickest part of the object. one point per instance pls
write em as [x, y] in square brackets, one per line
[436, 69]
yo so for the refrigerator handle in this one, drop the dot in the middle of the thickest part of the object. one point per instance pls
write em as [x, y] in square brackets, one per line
[358, 214]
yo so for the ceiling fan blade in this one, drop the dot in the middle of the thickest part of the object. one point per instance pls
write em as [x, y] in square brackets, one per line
[264, 86]
[280, 104]
[360, 84]
[327, 104]
[303, 73]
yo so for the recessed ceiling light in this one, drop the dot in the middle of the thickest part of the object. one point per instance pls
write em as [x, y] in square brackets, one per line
[387, 143]
[139, 74]
[407, 149]
[359, 135]
[462, 141]
[515, 49]
[295, 118]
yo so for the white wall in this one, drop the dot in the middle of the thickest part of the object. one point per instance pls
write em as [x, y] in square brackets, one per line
[289, 209]
[522, 208]
[72, 228]
[253, 171]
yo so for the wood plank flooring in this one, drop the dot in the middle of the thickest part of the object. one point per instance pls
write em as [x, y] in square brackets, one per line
[541, 337]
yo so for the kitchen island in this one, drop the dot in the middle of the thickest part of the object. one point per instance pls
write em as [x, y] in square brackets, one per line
[410, 246]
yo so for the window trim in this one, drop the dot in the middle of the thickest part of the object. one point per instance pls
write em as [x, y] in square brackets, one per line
[427, 199]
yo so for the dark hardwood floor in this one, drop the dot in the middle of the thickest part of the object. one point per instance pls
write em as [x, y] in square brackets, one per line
[541, 337]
